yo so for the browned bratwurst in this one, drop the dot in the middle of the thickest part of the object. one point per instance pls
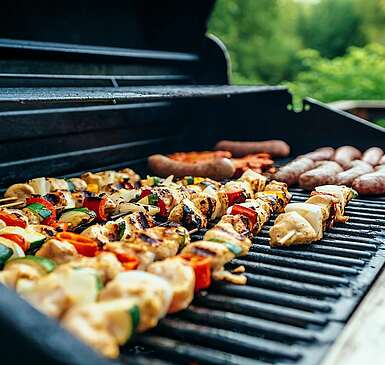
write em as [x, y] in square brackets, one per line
[292, 171]
[321, 154]
[358, 168]
[370, 184]
[275, 147]
[217, 168]
[373, 155]
[324, 174]
[345, 155]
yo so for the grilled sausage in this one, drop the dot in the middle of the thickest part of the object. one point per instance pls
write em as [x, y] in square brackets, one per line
[373, 155]
[370, 184]
[325, 173]
[217, 168]
[292, 171]
[321, 154]
[345, 155]
[275, 147]
[358, 168]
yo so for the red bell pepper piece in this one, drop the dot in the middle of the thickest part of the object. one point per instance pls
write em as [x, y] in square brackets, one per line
[145, 192]
[98, 205]
[12, 220]
[52, 218]
[162, 208]
[84, 245]
[19, 240]
[236, 197]
[202, 269]
[245, 211]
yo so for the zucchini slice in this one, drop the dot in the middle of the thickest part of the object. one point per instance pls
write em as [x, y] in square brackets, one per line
[77, 217]
[43, 264]
[33, 238]
[16, 249]
[5, 254]
[123, 317]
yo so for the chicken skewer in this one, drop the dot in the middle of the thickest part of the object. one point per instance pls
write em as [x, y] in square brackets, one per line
[306, 222]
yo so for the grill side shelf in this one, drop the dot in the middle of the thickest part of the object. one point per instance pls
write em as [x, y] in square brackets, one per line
[295, 303]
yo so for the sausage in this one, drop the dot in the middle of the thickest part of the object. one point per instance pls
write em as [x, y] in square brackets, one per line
[320, 154]
[370, 184]
[324, 174]
[345, 155]
[217, 168]
[358, 168]
[373, 155]
[275, 147]
[292, 171]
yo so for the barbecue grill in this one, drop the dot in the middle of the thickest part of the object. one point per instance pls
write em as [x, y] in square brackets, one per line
[112, 99]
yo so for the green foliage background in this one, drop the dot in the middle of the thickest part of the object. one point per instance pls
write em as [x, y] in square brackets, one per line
[328, 49]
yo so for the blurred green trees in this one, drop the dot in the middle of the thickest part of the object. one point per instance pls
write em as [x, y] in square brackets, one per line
[307, 44]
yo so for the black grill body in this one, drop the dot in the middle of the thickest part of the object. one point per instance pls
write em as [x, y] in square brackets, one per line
[68, 108]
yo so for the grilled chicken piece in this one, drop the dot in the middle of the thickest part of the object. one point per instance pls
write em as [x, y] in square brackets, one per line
[239, 222]
[291, 229]
[329, 205]
[153, 294]
[343, 194]
[187, 214]
[256, 181]
[104, 325]
[61, 199]
[139, 220]
[56, 292]
[19, 271]
[226, 234]
[106, 264]
[217, 252]
[163, 241]
[181, 276]
[143, 252]
[314, 214]
[59, 251]
[238, 185]
[103, 233]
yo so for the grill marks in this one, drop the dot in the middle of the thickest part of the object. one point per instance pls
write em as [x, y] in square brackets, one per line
[287, 312]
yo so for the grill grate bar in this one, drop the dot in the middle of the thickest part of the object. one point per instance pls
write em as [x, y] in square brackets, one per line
[285, 272]
[331, 259]
[272, 296]
[249, 324]
[262, 310]
[184, 351]
[223, 339]
[311, 265]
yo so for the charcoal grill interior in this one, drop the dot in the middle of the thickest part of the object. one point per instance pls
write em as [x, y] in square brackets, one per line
[68, 108]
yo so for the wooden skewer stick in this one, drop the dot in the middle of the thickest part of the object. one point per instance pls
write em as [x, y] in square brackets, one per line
[287, 236]
[9, 205]
[193, 231]
[8, 200]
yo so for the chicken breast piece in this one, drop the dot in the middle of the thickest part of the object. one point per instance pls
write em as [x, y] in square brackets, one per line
[59, 251]
[291, 229]
[181, 277]
[153, 294]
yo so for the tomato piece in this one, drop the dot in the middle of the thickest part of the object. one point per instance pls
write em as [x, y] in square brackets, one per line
[84, 245]
[145, 193]
[52, 218]
[98, 205]
[236, 197]
[12, 220]
[245, 211]
[202, 269]
[19, 240]
[162, 208]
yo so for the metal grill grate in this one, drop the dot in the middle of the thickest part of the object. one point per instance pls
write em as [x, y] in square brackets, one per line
[295, 303]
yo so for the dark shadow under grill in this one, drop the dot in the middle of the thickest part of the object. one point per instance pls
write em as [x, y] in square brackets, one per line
[294, 305]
